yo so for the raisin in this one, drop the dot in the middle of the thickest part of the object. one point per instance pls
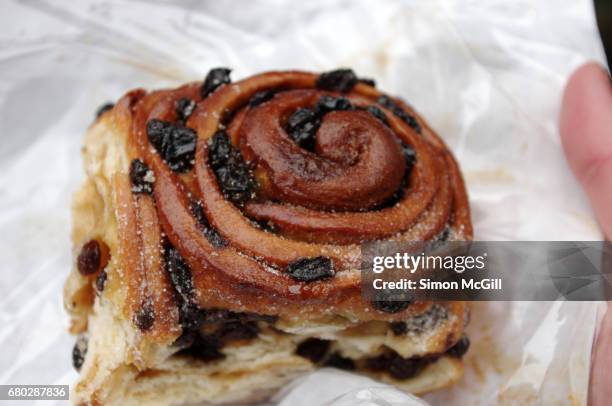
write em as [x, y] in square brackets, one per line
[409, 156]
[410, 159]
[220, 148]
[387, 102]
[215, 238]
[216, 78]
[399, 328]
[175, 143]
[183, 108]
[186, 339]
[180, 150]
[229, 326]
[368, 81]
[393, 199]
[338, 361]
[411, 121]
[78, 352]
[157, 132]
[398, 367]
[90, 258]
[311, 269]
[145, 317]
[380, 362]
[235, 179]
[224, 315]
[460, 348]
[266, 318]
[444, 235]
[265, 225]
[180, 274]
[210, 233]
[198, 212]
[390, 306]
[238, 331]
[313, 349]
[104, 108]
[204, 348]
[236, 182]
[302, 127]
[341, 80]
[389, 301]
[428, 320]
[261, 97]
[218, 315]
[329, 103]
[206, 353]
[402, 368]
[190, 316]
[378, 113]
[142, 177]
[101, 281]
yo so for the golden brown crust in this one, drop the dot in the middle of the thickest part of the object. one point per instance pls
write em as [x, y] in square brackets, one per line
[248, 273]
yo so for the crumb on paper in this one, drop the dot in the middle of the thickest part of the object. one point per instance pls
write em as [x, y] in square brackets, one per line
[499, 175]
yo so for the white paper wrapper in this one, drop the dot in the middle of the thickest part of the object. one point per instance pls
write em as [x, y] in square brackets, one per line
[487, 75]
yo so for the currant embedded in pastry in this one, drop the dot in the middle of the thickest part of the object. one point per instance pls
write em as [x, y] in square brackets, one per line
[217, 240]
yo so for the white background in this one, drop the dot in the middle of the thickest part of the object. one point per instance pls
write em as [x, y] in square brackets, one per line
[488, 75]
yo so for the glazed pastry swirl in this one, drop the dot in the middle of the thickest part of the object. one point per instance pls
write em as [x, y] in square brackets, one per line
[291, 172]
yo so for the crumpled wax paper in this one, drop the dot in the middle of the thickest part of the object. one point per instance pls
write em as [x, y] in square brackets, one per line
[488, 75]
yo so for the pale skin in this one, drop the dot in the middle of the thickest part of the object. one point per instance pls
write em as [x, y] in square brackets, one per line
[586, 134]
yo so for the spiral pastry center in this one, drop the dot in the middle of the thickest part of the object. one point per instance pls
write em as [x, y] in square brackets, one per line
[356, 164]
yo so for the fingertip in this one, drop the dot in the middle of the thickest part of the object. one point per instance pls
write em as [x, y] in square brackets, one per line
[586, 117]
[586, 135]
